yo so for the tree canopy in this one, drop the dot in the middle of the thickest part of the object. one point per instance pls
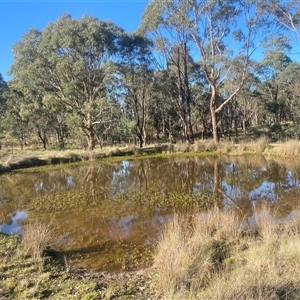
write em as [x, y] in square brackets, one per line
[189, 71]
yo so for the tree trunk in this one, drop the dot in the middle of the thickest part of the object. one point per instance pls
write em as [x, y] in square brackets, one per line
[216, 177]
[60, 138]
[144, 136]
[214, 122]
[90, 135]
[43, 138]
[189, 132]
[244, 126]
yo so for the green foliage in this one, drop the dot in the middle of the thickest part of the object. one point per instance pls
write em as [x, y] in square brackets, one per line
[67, 64]
[86, 81]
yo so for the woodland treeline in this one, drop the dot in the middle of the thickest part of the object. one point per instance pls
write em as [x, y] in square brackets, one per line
[193, 69]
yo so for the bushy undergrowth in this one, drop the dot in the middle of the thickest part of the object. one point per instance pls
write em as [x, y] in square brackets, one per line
[212, 256]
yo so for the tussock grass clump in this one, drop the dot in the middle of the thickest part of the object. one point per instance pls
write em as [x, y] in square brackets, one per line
[36, 238]
[171, 148]
[261, 144]
[182, 147]
[211, 256]
[289, 148]
[227, 147]
[211, 145]
[242, 147]
[199, 146]
[133, 149]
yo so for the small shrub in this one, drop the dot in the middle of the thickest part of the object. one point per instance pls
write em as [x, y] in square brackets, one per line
[227, 147]
[133, 149]
[171, 148]
[183, 147]
[291, 148]
[242, 147]
[90, 296]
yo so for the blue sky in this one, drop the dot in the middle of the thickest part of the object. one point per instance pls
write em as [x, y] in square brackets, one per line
[17, 17]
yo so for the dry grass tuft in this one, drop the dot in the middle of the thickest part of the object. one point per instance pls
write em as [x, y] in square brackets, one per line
[289, 148]
[199, 146]
[210, 256]
[261, 144]
[36, 238]
[211, 145]
[227, 147]
[182, 147]
[133, 149]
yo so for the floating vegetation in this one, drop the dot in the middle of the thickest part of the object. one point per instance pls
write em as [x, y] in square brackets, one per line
[115, 231]
[149, 200]
[103, 213]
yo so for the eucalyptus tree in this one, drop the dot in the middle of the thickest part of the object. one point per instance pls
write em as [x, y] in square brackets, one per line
[3, 91]
[271, 71]
[55, 113]
[243, 109]
[291, 91]
[136, 81]
[287, 14]
[69, 60]
[220, 31]
[16, 119]
[172, 45]
[163, 114]
[180, 68]
[248, 102]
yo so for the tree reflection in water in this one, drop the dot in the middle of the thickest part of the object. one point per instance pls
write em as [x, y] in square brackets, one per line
[125, 205]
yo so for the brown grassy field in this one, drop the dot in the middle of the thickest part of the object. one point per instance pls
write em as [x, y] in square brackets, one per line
[19, 159]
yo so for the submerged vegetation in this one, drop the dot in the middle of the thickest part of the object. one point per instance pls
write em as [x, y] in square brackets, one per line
[212, 255]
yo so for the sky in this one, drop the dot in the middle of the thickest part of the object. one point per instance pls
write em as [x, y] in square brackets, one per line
[17, 17]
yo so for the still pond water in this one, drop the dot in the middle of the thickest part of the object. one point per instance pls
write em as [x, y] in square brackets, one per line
[108, 216]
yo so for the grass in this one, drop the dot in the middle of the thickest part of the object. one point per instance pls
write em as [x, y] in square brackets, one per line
[208, 255]
[290, 148]
[36, 158]
[212, 256]
[27, 272]
[35, 239]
